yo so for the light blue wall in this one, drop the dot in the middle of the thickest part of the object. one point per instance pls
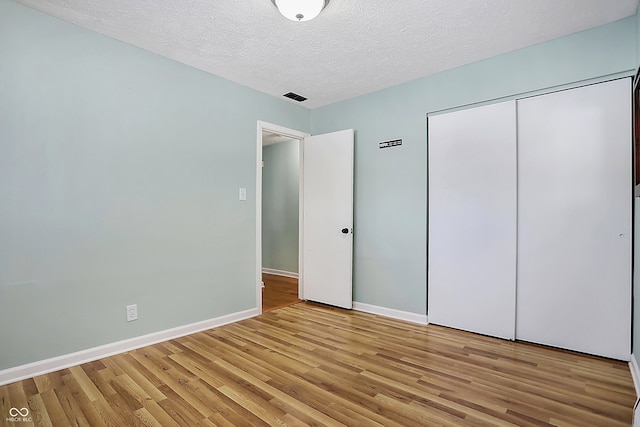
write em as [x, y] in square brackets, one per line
[119, 177]
[280, 207]
[391, 185]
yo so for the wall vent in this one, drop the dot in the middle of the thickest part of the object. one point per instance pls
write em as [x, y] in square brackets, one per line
[295, 96]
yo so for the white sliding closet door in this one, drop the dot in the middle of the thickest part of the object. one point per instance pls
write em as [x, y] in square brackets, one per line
[472, 219]
[574, 223]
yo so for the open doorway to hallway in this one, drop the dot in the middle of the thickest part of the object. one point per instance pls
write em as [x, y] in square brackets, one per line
[278, 216]
[324, 192]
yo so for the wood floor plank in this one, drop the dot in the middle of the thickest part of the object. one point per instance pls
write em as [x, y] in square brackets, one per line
[147, 381]
[254, 403]
[317, 416]
[71, 407]
[88, 387]
[47, 382]
[146, 418]
[132, 393]
[122, 406]
[278, 292]
[18, 397]
[159, 414]
[38, 411]
[179, 409]
[312, 365]
[54, 408]
[94, 413]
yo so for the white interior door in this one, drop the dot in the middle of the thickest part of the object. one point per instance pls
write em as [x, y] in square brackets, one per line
[574, 225]
[472, 219]
[327, 242]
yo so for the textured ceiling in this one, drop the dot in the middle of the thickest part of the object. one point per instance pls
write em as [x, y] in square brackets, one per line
[352, 48]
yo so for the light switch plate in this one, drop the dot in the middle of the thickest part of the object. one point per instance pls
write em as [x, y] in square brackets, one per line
[242, 195]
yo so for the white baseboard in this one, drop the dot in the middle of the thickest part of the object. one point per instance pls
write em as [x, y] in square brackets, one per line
[390, 312]
[280, 273]
[65, 361]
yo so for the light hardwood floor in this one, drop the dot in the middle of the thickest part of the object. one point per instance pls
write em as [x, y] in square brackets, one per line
[278, 292]
[307, 364]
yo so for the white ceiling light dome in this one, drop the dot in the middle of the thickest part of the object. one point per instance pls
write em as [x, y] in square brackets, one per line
[300, 10]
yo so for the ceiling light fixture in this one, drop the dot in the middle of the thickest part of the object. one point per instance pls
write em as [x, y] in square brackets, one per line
[300, 10]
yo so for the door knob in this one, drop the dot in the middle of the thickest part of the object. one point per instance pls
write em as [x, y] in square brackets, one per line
[345, 231]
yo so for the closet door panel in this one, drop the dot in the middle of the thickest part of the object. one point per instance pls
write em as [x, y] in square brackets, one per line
[574, 219]
[472, 219]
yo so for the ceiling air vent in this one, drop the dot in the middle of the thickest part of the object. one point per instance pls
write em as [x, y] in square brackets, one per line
[295, 96]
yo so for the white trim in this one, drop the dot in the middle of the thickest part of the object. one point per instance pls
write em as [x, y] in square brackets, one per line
[544, 91]
[301, 219]
[293, 134]
[635, 373]
[280, 272]
[280, 130]
[390, 312]
[259, 162]
[65, 361]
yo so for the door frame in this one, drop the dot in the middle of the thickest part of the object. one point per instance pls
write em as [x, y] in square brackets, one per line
[293, 134]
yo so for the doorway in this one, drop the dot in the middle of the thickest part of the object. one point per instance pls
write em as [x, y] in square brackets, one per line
[325, 220]
[278, 222]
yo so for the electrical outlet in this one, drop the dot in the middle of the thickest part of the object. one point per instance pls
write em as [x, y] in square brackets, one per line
[132, 312]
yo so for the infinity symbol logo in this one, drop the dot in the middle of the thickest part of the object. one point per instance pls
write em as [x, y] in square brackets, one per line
[14, 412]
